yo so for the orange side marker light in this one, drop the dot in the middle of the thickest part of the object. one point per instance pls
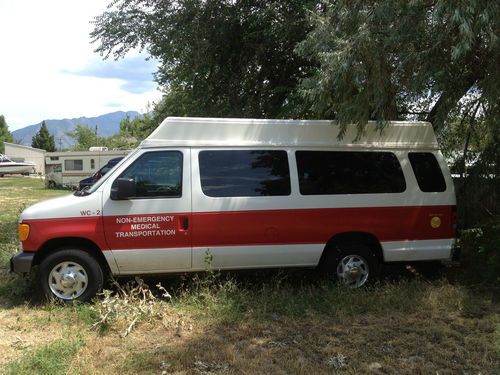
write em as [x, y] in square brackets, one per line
[435, 222]
[24, 231]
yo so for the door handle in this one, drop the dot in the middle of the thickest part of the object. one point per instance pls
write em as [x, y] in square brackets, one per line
[184, 223]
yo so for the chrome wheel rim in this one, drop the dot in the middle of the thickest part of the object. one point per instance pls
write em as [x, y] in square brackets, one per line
[68, 280]
[353, 271]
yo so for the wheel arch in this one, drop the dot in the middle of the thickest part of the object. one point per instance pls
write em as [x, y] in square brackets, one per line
[364, 238]
[80, 243]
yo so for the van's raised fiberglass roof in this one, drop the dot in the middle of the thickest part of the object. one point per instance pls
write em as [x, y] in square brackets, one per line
[198, 131]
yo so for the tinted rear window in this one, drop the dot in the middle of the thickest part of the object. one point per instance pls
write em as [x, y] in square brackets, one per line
[427, 171]
[339, 172]
[244, 173]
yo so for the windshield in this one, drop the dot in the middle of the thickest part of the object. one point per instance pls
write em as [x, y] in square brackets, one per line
[106, 176]
[105, 169]
[4, 159]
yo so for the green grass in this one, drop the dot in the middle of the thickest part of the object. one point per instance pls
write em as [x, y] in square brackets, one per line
[54, 358]
[283, 294]
[17, 193]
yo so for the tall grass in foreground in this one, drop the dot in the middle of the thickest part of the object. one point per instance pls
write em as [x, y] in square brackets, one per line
[228, 299]
[231, 300]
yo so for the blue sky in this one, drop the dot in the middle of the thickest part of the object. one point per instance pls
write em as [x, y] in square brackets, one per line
[48, 68]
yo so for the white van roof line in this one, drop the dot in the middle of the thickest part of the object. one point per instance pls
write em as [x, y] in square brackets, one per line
[198, 131]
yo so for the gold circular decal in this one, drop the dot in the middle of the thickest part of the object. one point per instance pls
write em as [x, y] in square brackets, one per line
[435, 222]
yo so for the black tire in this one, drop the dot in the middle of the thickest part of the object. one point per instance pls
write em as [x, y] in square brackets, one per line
[352, 264]
[69, 275]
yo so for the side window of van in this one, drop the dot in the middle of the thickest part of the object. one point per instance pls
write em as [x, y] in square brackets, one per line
[157, 174]
[349, 172]
[244, 173]
[427, 171]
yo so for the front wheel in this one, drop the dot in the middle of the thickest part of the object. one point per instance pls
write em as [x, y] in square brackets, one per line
[352, 264]
[70, 275]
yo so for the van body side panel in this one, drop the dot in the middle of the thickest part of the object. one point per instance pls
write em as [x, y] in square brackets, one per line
[162, 230]
[156, 261]
[150, 234]
[408, 251]
[280, 227]
[43, 230]
[260, 256]
[297, 237]
[64, 217]
[254, 239]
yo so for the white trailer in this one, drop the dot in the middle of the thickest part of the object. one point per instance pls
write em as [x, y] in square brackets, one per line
[67, 168]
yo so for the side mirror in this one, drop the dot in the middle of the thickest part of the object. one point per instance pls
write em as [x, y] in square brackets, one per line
[123, 188]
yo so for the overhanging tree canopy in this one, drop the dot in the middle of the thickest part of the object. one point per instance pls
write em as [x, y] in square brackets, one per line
[350, 60]
[404, 59]
[217, 58]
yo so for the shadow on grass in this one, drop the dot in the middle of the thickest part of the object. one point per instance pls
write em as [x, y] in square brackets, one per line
[298, 323]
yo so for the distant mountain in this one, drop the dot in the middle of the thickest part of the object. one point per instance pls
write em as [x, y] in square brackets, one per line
[107, 125]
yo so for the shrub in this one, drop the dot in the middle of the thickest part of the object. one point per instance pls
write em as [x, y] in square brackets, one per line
[481, 253]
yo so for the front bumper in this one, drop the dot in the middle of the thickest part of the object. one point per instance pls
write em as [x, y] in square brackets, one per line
[21, 262]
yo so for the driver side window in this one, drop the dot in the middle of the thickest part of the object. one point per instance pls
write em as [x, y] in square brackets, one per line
[156, 174]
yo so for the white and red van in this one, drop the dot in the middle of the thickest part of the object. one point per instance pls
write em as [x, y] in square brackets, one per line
[252, 194]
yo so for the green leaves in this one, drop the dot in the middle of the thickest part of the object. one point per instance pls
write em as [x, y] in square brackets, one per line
[5, 135]
[217, 58]
[397, 60]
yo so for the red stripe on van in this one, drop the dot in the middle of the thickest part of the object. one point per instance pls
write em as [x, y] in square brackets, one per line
[319, 225]
[240, 228]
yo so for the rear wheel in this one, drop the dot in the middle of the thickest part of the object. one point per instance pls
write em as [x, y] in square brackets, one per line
[70, 275]
[352, 264]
